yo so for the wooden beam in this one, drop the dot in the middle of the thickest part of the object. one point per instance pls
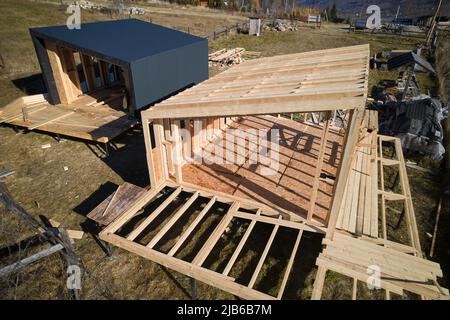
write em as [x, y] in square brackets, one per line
[215, 235]
[172, 220]
[177, 153]
[283, 223]
[149, 152]
[59, 75]
[88, 69]
[289, 265]
[263, 256]
[320, 157]
[202, 274]
[144, 224]
[341, 99]
[318, 283]
[191, 227]
[161, 149]
[241, 244]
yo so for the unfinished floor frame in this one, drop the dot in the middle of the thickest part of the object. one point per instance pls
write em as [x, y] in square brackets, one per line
[179, 128]
[194, 268]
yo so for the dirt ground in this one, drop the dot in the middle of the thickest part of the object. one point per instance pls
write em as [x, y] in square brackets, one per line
[67, 180]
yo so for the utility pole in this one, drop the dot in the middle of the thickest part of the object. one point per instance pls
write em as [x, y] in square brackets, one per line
[433, 24]
[396, 15]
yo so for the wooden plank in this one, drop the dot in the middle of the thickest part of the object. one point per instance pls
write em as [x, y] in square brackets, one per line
[283, 223]
[389, 268]
[141, 202]
[215, 235]
[355, 289]
[318, 283]
[116, 204]
[149, 153]
[350, 270]
[177, 161]
[392, 196]
[411, 219]
[46, 121]
[344, 170]
[374, 227]
[356, 192]
[161, 150]
[144, 224]
[202, 274]
[191, 227]
[241, 244]
[289, 265]
[368, 248]
[301, 102]
[319, 165]
[19, 115]
[172, 221]
[263, 256]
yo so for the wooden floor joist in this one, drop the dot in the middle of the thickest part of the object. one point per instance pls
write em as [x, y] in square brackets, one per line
[194, 268]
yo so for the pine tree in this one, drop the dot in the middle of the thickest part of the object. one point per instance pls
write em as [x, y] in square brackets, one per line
[333, 13]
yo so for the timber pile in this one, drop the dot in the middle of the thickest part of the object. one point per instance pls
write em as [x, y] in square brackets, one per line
[359, 209]
[400, 271]
[226, 57]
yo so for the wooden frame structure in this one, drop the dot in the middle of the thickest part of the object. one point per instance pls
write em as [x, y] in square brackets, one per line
[361, 244]
[322, 81]
[299, 83]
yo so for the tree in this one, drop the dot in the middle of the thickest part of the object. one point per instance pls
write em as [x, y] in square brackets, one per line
[333, 13]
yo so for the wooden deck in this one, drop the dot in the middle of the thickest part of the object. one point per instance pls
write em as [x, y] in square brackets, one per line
[95, 117]
[290, 187]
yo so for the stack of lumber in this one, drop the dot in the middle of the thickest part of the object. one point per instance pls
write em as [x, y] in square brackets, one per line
[370, 120]
[226, 57]
[399, 271]
[359, 209]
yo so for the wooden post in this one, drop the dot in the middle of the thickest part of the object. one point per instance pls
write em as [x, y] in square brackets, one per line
[344, 170]
[322, 149]
[149, 153]
[177, 150]
[88, 69]
[158, 130]
[318, 283]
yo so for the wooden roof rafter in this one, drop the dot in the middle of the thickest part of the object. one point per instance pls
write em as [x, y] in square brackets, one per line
[314, 81]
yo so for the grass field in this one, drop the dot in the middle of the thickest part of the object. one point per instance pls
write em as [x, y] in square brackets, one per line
[42, 185]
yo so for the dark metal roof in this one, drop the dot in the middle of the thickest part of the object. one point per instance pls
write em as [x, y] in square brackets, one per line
[409, 58]
[125, 40]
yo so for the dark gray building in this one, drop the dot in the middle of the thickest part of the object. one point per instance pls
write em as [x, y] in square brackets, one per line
[145, 61]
